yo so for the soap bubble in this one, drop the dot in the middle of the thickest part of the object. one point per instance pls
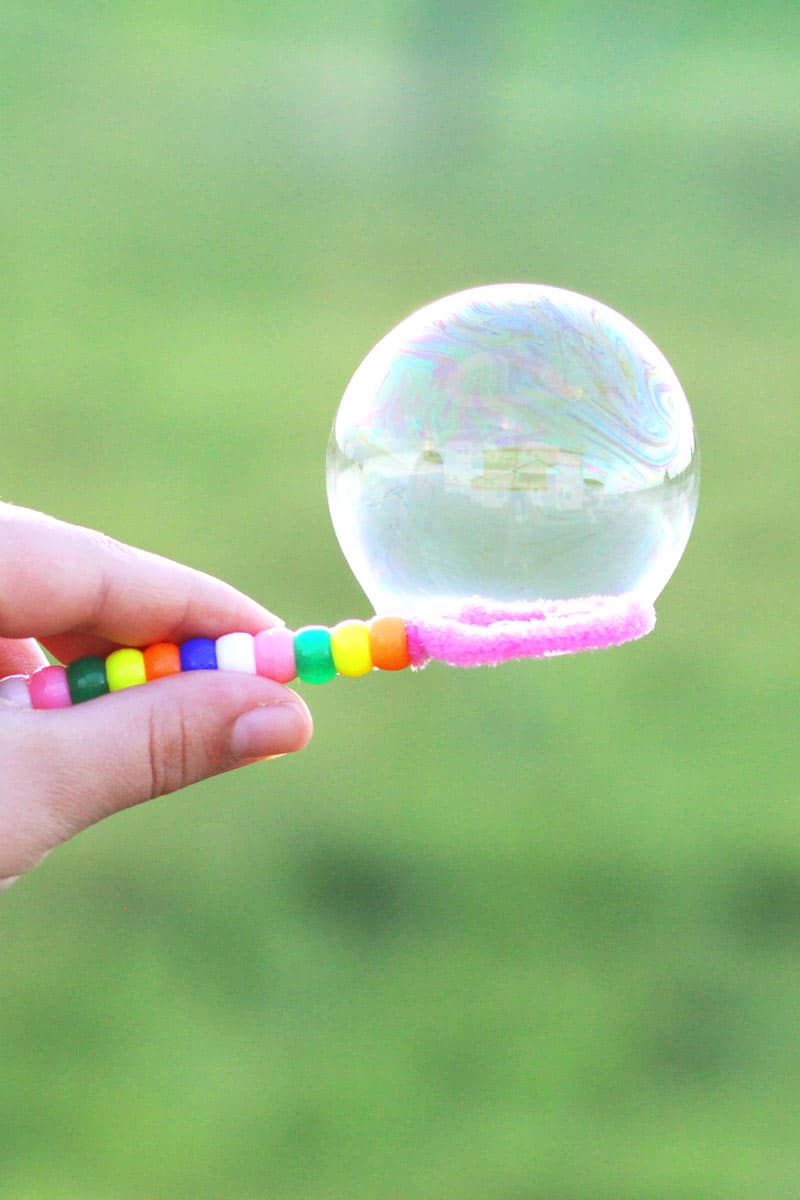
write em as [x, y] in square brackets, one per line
[514, 443]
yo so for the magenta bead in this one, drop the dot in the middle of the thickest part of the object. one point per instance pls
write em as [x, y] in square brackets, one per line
[275, 654]
[49, 688]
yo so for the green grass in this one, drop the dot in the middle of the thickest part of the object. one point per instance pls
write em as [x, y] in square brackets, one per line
[519, 935]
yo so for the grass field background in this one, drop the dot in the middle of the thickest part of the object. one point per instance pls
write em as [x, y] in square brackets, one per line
[531, 934]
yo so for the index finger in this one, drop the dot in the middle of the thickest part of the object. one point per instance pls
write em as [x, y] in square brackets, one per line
[58, 579]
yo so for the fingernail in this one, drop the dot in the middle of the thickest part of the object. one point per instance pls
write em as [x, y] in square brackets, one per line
[268, 730]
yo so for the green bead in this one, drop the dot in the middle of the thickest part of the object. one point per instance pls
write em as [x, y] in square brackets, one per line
[86, 678]
[313, 655]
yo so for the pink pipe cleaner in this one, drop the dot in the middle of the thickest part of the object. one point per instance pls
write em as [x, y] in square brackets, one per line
[484, 634]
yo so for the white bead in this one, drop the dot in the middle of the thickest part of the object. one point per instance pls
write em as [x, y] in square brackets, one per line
[235, 652]
[14, 689]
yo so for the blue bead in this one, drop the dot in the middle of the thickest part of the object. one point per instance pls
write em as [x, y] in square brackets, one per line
[199, 654]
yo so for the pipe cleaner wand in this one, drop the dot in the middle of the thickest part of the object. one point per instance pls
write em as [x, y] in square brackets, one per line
[513, 470]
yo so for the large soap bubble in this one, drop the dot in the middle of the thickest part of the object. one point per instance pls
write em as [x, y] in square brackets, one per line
[515, 444]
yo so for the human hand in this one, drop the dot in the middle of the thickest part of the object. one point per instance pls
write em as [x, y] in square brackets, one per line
[78, 592]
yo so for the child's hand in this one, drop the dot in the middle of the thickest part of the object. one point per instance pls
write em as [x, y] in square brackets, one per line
[79, 593]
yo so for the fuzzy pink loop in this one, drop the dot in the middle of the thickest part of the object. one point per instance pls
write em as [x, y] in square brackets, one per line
[485, 634]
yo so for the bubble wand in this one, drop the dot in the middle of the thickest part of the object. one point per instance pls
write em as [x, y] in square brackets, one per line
[513, 469]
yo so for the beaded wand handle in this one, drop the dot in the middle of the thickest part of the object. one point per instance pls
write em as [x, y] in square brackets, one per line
[313, 654]
[480, 634]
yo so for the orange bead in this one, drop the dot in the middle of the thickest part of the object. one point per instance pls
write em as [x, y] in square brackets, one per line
[164, 658]
[388, 644]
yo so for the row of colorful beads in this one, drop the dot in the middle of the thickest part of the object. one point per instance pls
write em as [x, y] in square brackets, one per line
[313, 654]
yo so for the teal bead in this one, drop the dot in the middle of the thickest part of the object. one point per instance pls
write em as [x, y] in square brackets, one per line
[86, 679]
[313, 655]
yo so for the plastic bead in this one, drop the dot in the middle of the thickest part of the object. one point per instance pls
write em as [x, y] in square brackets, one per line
[199, 654]
[124, 669]
[49, 688]
[86, 678]
[314, 654]
[388, 643]
[236, 652]
[161, 659]
[274, 650]
[350, 648]
[14, 690]
[312, 651]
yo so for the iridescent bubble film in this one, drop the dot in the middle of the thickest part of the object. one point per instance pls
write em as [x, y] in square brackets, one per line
[514, 442]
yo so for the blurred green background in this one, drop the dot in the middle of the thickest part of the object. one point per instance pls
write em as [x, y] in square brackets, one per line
[531, 934]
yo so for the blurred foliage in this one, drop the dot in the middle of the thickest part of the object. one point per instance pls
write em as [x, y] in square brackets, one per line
[519, 935]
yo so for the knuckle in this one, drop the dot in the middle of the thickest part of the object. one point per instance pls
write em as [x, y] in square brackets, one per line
[111, 554]
[110, 546]
[170, 753]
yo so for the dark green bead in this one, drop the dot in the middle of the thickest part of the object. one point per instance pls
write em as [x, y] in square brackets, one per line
[86, 678]
[312, 652]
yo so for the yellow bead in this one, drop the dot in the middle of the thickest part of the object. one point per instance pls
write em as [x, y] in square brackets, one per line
[350, 648]
[124, 669]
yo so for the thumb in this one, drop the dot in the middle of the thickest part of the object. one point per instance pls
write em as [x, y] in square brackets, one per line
[69, 768]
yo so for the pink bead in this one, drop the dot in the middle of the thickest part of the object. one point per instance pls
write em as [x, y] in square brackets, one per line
[14, 690]
[275, 654]
[49, 688]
